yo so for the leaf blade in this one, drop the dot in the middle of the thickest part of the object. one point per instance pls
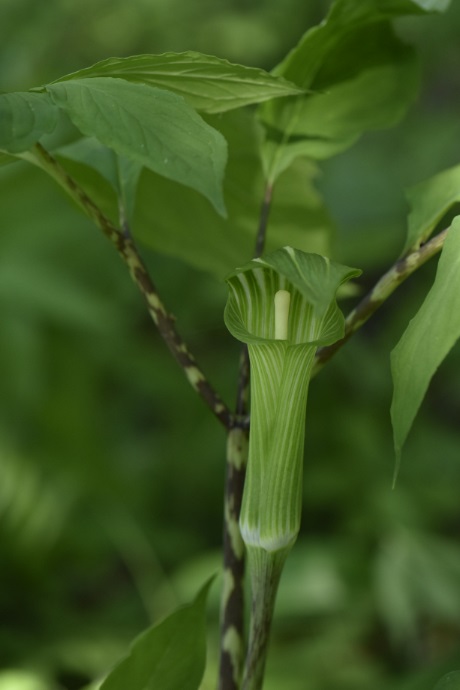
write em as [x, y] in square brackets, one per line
[24, 118]
[177, 221]
[170, 655]
[345, 16]
[152, 127]
[121, 173]
[429, 337]
[207, 83]
[360, 77]
[429, 201]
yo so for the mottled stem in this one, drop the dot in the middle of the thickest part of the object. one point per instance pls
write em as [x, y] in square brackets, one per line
[374, 299]
[232, 604]
[125, 246]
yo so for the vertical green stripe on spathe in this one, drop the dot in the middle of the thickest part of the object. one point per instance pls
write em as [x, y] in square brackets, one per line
[270, 515]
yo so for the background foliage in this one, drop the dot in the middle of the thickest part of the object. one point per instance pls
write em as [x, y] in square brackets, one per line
[112, 470]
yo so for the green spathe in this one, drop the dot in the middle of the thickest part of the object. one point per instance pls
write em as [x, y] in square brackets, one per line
[270, 516]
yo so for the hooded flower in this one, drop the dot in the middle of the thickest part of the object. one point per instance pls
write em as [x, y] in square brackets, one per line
[282, 335]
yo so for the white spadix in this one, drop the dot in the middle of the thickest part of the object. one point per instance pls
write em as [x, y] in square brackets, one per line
[282, 303]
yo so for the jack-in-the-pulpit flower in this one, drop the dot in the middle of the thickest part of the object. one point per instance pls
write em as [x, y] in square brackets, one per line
[283, 306]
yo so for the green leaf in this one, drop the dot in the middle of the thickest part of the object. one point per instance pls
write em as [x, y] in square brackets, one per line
[206, 82]
[180, 223]
[92, 153]
[24, 119]
[427, 340]
[303, 65]
[175, 220]
[128, 175]
[430, 200]
[122, 173]
[361, 77]
[433, 5]
[6, 160]
[153, 128]
[168, 656]
[278, 156]
[373, 92]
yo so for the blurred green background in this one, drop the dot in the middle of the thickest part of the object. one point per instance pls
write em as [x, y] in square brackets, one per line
[111, 470]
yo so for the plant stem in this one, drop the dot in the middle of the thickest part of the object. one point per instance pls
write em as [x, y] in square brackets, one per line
[397, 274]
[232, 604]
[263, 221]
[125, 246]
[265, 571]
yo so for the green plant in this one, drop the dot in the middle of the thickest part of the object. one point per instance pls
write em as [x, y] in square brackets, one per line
[139, 116]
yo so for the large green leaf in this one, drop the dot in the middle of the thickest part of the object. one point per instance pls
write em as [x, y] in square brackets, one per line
[303, 64]
[430, 200]
[186, 227]
[374, 79]
[207, 83]
[167, 656]
[24, 119]
[360, 76]
[152, 127]
[427, 340]
[176, 220]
